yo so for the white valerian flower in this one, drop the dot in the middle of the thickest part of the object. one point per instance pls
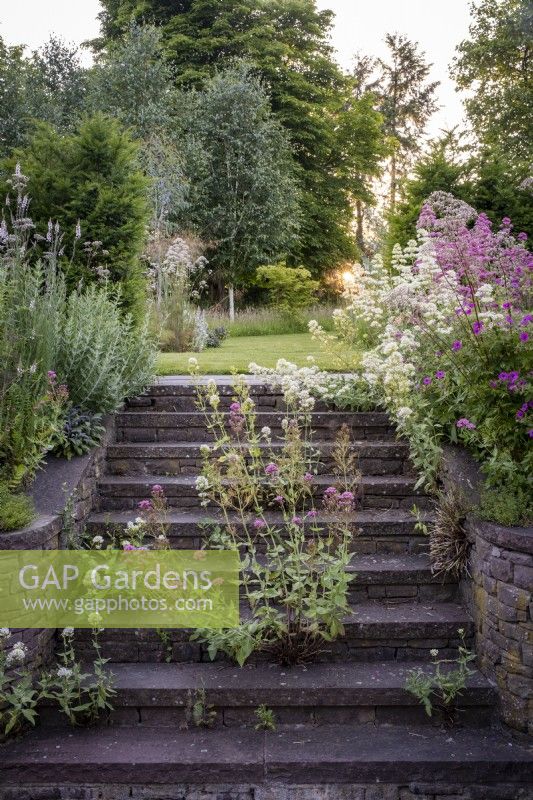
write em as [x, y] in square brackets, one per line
[201, 483]
[64, 672]
[4, 633]
[214, 400]
[205, 450]
[434, 653]
[193, 362]
[97, 541]
[461, 631]
[16, 655]
[266, 433]
[67, 633]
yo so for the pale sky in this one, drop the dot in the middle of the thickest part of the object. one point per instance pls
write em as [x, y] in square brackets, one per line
[360, 25]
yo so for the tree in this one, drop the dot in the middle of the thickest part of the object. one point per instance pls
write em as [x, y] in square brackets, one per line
[246, 201]
[495, 66]
[441, 169]
[49, 86]
[57, 84]
[406, 101]
[288, 41]
[89, 182]
[13, 119]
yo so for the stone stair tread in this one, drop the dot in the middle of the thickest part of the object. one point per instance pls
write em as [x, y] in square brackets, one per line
[386, 516]
[301, 755]
[351, 683]
[367, 481]
[377, 612]
[144, 448]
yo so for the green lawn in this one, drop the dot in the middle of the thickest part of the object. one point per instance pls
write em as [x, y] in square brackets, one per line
[236, 353]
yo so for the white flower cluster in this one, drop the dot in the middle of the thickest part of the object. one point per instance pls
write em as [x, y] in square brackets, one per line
[16, 655]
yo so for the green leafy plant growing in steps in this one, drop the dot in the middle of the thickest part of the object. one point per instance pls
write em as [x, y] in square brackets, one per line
[440, 688]
[266, 719]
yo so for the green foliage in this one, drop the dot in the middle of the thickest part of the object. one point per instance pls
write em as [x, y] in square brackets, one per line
[506, 505]
[18, 697]
[16, 510]
[444, 685]
[266, 720]
[103, 356]
[440, 169]
[81, 432]
[31, 301]
[245, 200]
[268, 321]
[406, 101]
[337, 140]
[198, 711]
[290, 289]
[295, 585]
[49, 86]
[81, 697]
[91, 178]
[494, 65]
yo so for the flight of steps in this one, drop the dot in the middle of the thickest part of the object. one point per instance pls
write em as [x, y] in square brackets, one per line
[346, 719]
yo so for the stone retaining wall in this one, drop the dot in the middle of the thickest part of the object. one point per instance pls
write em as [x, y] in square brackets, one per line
[58, 481]
[499, 598]
[412, 791]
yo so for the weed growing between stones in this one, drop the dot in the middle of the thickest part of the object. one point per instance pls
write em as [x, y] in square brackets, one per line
[439, 690]
[198, 711]
[266, 719]
[18, 696]
[81, 697]
[294, 571]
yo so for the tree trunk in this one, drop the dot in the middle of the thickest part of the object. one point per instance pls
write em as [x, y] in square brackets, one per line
[231, 303]
[359, 216]
[393, 179]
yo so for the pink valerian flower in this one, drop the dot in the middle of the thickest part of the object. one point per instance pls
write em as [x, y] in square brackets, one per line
[52, 376]
[157, 490]
[311, 514]
[465, 423]
[331, 491]
[296, 520]
[145, 505]
[271, 469]
[259, 524]
[347, 497]
[235, 408]
[308, 477]
[127, 547]
[279, 499]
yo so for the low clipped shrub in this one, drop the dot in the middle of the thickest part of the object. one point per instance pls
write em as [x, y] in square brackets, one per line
[16, 510]
[290, 289]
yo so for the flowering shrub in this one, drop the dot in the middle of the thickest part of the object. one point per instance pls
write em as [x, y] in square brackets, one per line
[453, 358]
[294, 575]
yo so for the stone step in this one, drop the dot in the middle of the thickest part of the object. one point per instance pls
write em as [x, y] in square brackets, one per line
[375, 530]
[163, 426]
[318, 694]
[185, 458]
[375, 630]
[377, 491]
[397, 755]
